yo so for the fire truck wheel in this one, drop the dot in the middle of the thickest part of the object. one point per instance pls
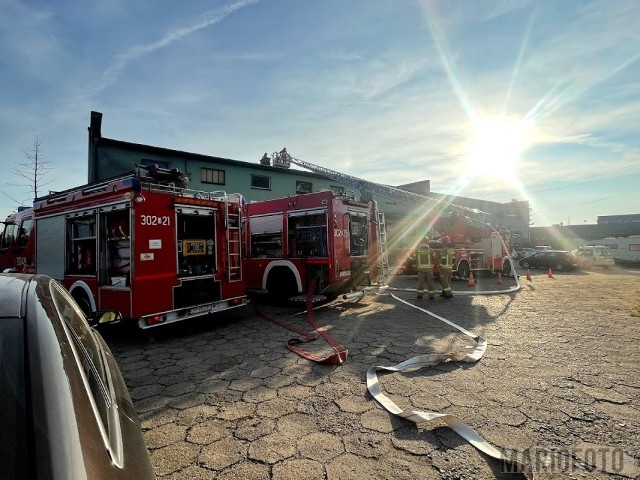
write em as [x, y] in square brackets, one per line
[506, 267]
[463, 270]
[83, 302]
[281, 284]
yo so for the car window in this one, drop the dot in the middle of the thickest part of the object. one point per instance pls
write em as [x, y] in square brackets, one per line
[87, 348]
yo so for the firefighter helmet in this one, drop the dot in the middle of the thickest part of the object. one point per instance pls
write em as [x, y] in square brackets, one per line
[445, 240]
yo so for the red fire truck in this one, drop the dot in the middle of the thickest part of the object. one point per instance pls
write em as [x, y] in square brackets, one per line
[477, 247]
[336, 240]
[144, 245]
[17, 243]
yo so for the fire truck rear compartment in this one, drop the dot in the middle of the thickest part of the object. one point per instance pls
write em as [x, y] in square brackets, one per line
[196, 242]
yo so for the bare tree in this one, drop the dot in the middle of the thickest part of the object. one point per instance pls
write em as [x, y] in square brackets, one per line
[34, 170]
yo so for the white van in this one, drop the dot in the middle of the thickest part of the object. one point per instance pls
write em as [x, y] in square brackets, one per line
[594, 256]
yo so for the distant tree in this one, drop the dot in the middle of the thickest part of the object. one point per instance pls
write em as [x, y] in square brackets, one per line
[34, 170]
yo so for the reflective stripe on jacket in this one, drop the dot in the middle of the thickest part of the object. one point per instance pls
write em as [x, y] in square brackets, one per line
[446, 257]
[424, 261]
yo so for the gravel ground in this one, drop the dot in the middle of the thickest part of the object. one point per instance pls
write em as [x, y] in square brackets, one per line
[559, 385]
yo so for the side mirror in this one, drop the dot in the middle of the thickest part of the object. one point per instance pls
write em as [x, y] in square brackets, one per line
[105, 317]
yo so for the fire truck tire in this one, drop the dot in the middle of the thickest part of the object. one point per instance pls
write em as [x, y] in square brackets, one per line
[506, 267]
[281, 284]
[83, 302]
[463, 270]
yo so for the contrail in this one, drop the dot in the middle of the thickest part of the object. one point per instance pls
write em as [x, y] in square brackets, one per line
[203, 21]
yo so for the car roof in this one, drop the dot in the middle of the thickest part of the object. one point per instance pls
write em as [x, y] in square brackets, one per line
[12, 287]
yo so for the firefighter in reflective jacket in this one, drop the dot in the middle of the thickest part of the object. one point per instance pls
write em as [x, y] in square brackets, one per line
[447, 255]
[424, 264]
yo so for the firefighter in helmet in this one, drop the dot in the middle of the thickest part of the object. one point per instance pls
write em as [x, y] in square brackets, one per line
[447, 255]
[424, 264]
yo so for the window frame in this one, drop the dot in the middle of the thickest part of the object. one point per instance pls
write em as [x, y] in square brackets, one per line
[220, 173]
[255, 177]
[307, 187]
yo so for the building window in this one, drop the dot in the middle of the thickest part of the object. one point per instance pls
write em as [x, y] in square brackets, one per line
[303, 187]
[211, 175]
[158, 163]
[261, 182]
[337, 189]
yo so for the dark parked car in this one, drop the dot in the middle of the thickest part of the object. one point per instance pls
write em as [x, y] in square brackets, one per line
[554, 259]
[65, 409]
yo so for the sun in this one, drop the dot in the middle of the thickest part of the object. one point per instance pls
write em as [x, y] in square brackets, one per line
[496, 146]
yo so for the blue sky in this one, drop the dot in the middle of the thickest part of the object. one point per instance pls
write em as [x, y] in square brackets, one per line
[497, 100]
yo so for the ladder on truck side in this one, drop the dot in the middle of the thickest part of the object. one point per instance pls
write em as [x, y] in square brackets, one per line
[383, 265]
[232, 222]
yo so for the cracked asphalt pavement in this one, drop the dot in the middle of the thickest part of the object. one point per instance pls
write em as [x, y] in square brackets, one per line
[559, 386]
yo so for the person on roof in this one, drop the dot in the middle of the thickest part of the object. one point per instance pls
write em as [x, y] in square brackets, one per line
[424, 264]
[447, 255]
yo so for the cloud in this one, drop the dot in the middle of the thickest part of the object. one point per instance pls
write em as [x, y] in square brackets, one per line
[211, 17]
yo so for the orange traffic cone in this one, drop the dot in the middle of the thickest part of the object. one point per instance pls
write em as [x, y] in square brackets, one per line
[528, 275]
[499, 278]
[472, 281]
[550, 273]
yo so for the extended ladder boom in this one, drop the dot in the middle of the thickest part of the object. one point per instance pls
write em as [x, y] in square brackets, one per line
[408, 198]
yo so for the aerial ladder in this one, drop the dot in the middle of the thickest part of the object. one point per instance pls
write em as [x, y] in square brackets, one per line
[283, 158]
[436, 207]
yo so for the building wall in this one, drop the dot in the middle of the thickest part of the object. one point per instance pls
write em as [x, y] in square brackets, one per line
[111, 158]
[569, 237]
[613, 219]
[108, 158]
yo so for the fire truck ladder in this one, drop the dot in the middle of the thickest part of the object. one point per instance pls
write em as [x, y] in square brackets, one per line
[232, 221]
[382, 245]
[408, 198]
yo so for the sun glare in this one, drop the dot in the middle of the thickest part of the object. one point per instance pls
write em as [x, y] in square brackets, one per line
[496, 147]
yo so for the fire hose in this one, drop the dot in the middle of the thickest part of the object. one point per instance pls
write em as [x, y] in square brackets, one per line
[453, 422]
[340, 352]
[412, 364]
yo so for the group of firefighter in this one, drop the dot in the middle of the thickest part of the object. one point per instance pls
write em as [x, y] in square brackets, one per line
[424, 263]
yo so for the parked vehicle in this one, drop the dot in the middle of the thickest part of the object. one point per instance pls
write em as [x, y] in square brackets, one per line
[524, 252]
[476, 248]
[625, 250]
[66, 412]
[338, 241]
[16, 242]
[143, 244]
[594, 256]
[554, 259]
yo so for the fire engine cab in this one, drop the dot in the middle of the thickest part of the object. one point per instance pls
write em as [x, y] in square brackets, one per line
[144, 245]
[16, 242]
[336, 240]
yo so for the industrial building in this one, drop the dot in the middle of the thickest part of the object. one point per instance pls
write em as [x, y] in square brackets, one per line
[260, 180]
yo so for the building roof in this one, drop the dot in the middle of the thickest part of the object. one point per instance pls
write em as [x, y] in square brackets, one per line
[170, 153]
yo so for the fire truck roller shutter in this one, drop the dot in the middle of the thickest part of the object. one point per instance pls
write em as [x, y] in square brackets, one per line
[50, 246]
